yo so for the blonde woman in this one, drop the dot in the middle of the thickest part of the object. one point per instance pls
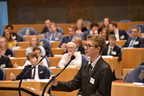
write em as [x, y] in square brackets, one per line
[71, 47]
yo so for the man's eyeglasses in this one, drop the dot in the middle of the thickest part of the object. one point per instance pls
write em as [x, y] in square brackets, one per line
[88, 46]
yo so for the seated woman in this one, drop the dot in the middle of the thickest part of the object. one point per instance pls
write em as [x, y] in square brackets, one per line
[4, 48]
[79, 45]
[39, 72]
[34, 42]
[5, 62]
[76, 63]
[8, 36]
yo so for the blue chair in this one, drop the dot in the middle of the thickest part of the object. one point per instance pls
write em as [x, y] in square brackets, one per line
[141, 26]
[20, 38]
[48, 61]
[125, 20]
[27, 31]
[45, 42]
[84, 58]
[2, 74]
[135, 75]
[87, 22]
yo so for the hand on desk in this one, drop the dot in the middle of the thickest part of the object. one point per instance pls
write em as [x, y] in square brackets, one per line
[12, 76]
[54, 82]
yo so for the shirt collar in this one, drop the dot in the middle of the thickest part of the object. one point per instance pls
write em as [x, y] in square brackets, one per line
[94, 62]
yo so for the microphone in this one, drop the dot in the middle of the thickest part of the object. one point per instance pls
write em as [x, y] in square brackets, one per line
[72, 57]
[19, 88]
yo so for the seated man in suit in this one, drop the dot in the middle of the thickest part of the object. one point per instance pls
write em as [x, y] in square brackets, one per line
[134, 40]
[66, 39]
[119, 34]
[47, 28]
[5, 62]
[94, 77]
[112, 48]
[39, 72]
[53, 35]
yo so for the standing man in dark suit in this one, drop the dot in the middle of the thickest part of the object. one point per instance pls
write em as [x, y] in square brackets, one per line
[112, 49]
[119, 34]
[39, 72]
[66, 39]
[134, 41]
[94, 77]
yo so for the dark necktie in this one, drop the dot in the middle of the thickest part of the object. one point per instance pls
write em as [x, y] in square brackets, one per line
[33, 73]
[110, 52]
[90, 69]
[53, 37]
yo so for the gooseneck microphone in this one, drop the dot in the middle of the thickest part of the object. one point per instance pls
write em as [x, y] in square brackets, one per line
[72, 57]
[19, 88]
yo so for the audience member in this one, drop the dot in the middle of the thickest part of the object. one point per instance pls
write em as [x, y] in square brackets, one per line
[120, 34]
[104, 33]
[71, 47]
[5, 62]
[79, 45]
[105, 24]
[80, 27]
[14, 34]
[34, 42]
[134, 41]
[39, 72]
[53, 35]
[48, 29]
[66, 39]
[11, 42]
[4, 47]
[112, 49]
[94, 77]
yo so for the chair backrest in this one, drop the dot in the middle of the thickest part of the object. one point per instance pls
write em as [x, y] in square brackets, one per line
[125, 20]
[84, 58]
[48, 61]
[135, 75]
[27, 31]
[45, 42]
[2, 74]
[20, 37]
[141, 26]
[87, 22]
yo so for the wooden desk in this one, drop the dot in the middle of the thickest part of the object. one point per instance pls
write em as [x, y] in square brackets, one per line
[20, 53]
[19, 60]
[57, 51]
[66, 75]
[120, 42]
[54, 61]
[24, 45]
[132, 57]
[32, 86]
[27, 38]
[55, 44]
[126, 89]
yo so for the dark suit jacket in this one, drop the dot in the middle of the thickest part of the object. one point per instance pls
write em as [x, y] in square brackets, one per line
[116, 49]
[101, 76]
[65, 39]
[5, 62]
[122, 35]
[43, 72]
[57, 36]
[139, 43]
